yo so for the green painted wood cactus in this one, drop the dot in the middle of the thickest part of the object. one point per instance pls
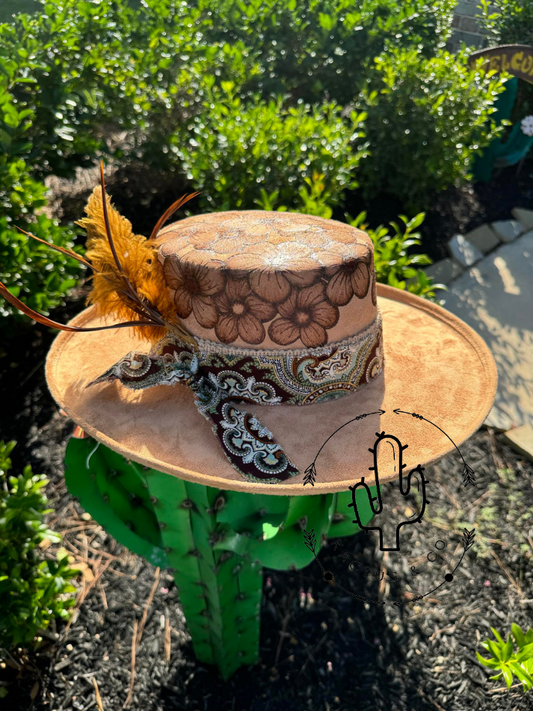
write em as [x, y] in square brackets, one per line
[217, 542]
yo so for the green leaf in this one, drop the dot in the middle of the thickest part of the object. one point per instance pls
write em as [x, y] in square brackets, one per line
[493, 664]
[518, 634]
[507, 650]
[507, 675]
[495, 650]
[521, 674]
[526, 652]
[497, 635]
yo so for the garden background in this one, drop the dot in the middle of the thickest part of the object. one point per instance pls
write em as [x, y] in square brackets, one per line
[355, 111]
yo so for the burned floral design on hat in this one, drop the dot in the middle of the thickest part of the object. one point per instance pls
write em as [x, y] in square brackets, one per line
[288, 275]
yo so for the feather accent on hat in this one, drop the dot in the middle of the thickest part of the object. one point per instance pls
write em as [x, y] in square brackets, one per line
[128, 281]
[127, 288]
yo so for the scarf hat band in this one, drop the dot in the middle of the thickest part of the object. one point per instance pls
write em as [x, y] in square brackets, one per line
[222, 376]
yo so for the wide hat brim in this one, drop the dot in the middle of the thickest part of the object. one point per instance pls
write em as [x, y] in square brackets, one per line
[435, 366]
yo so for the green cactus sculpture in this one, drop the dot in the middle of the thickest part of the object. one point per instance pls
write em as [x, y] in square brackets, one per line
[404, 484]
[217, 542]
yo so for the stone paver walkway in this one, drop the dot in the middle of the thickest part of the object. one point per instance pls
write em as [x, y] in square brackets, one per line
[495, 297]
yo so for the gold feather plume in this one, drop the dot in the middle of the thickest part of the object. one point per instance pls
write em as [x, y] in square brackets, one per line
[141, 270]
[128, 281]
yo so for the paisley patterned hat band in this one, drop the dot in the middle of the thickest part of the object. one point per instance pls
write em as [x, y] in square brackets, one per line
[221, 376]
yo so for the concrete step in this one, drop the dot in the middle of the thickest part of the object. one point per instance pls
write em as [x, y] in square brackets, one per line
[495, 297]
[463, 251]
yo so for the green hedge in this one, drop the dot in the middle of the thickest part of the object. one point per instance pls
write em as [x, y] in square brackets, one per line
[426, 121]
[313, 48]
[507, 21]
[39, 276]
[33, 590]
[236, 151]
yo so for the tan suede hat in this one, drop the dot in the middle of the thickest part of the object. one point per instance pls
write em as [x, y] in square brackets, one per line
[292, 340]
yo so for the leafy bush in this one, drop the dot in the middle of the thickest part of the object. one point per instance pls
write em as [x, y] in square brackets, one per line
[508, 660]
[316, 48]
[394, 266]
[11, 7]
[507, 21]
[47, 76]
[39, 275]
[33, 272]
[234, 150]
[90, 70]
[312, 198]
[426, 121]
[32, 591]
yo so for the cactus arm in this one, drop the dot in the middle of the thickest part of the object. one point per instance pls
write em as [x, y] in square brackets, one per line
[82, 458]
[235, 509]
[341, 524]
[299, 507]
[286, 549]
[281, 547]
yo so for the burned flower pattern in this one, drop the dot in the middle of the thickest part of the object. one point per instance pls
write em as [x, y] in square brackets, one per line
[306, 314]
[248, 274]
[194, 287]
[242, 313]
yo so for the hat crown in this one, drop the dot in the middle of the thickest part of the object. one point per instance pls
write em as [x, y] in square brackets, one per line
[263, 280]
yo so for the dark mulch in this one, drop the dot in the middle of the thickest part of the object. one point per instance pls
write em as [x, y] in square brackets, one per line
[335, 652]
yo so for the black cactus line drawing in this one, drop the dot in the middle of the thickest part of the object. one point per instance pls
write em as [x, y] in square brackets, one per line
[404, 482]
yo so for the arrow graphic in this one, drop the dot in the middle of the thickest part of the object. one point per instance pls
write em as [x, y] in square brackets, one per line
[310, 472]
[469, 476]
